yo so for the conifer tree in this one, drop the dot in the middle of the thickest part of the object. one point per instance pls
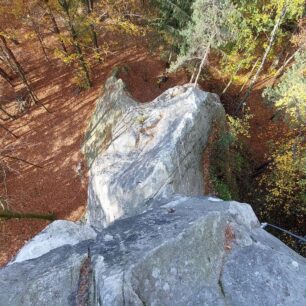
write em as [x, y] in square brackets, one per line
[174, 14]
[210, 27]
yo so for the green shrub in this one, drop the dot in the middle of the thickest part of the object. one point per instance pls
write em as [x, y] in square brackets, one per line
[222, 189]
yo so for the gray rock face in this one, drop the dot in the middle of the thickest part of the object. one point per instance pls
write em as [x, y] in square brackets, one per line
[51, 279]
[189, 251]
[181, 250]
[56, 234]
[138, 153]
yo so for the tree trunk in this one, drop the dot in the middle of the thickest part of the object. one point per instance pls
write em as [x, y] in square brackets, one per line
[262, 168]
[76, 44]
[271, 42]
[22, 160]
[80, 54]
[7, 214]
[193, 73]
[10, 132]
[18, 68]
[250, 75]
[65, 6]
[6, 77]
[201, 65]
[39, 37]
[6, 113]
[281, 69]
[8, 61]
[231, 80]
[94, 37]
[89, 8]
[55, 27]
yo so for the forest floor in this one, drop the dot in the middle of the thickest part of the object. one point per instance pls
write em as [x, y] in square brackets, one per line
[52, 141]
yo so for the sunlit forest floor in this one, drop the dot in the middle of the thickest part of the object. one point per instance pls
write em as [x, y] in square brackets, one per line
[52, 141]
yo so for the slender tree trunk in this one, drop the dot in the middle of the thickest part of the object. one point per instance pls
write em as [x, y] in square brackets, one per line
[231, 80]
[80, 53]
[7, 214]
[6, 113]
[250, 75]
[281, 69]
[18, 68]
[89, 8]
[8, 60]
[170, 58]
[284, 50]
[78, 49]
[10, 132]
[55, 27]
[202, 65]
[39, 36]
[271, 42]
[6, 77]
[66, 7]
[81, 58]
[94, 37]
[193, 74]
[22, 160]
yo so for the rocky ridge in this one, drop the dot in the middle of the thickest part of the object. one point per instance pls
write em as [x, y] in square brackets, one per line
[151, 237]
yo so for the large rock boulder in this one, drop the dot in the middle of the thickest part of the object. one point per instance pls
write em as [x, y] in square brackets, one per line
[163, 244]
[44, 281]
[55, 235]
[140, 152]
[189, 251]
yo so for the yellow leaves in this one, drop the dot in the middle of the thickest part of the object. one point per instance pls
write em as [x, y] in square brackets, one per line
[29, 35]
[128, 27]
[289, 95]
[293, 102]
[80, 79]
[97, 56]
[240, 127]
[282, 180]
[294, 7]
[64, 57]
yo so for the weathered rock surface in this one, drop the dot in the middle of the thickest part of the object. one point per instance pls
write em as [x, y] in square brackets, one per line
[45, 281]
[56, 234]
[139, 152]
[163, 248]
[189, 251]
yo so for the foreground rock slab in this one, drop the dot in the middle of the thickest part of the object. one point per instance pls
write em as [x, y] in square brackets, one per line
[140, 152]
[188, 251]
[56, 234]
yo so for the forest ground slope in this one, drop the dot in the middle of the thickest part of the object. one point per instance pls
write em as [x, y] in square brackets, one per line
[52, 141]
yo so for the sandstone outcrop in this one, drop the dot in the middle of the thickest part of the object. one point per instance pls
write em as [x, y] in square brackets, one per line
[151, 237]
[141, 152]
